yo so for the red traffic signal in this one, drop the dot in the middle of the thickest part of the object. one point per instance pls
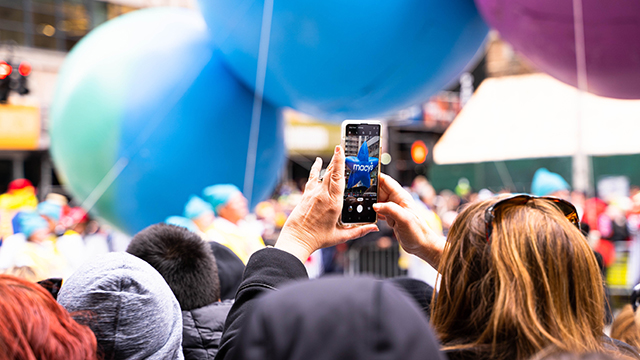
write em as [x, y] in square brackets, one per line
[5, 69]
[419, 151]
[24, 69]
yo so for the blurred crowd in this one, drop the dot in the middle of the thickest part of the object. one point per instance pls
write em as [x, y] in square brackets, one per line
[48, 239]
[611, 223]
[516, 280]
[52, 238]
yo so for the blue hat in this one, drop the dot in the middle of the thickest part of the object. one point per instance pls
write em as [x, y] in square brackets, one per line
[545, 183]
[182, 222]
[219, 195]
[32, 222]
[196, 207]
[50, 210]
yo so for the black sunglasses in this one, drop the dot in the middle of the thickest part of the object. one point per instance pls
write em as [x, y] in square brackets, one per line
[566, 207]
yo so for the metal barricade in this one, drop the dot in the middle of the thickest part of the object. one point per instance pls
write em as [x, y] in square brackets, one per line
[367, 258]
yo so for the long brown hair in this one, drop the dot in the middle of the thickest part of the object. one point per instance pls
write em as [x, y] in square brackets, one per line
[625, 326]
[536, 283]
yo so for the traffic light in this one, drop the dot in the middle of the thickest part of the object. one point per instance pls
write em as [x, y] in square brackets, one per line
[9, 80]
[24, 69]
[5, 81]
[411, 150]
[419, 151]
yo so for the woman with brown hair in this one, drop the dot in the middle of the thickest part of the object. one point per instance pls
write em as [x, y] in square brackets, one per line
[35, 326]
[533, 282]
[517, 276]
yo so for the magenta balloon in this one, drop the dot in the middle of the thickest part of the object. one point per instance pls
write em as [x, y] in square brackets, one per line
[542, 31]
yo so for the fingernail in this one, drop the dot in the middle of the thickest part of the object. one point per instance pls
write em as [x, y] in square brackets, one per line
[318, 159]
[337, 149]
[376, 206]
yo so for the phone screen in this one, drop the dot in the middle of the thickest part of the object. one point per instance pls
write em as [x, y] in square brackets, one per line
[362, 151]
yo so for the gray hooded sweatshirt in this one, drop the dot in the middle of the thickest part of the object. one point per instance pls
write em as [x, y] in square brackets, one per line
[129, 307]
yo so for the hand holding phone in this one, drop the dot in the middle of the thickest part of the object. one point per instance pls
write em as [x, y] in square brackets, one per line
[313, 223]
[401, 212]
[361, 142]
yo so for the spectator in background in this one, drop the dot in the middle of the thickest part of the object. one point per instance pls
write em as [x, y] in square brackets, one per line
[61, 201]
[129, 307]
[463, 190]
[50, 212]
[266, 213]
[625, 326]
[35, 248]
[231, 209]
[547, 183]
[71, 244]
[35, 326]
[20, 196]
[633, 219]
[200, 212]
[425, 196]
[185, 223]
[22, 272]
[187, 265]
[613, 222]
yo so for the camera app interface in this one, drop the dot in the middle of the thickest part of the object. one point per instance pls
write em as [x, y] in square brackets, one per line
[362, 150]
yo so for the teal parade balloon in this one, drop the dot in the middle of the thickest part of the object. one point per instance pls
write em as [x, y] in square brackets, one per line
[349, 59]
[145, 114]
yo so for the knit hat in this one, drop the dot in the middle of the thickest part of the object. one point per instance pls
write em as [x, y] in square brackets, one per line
[128, 305]
[19, 184]
[196, 207]
[219, 195]
[545, 183]
[31, 222]
[50, 210]
[182, 222]
[73, 217]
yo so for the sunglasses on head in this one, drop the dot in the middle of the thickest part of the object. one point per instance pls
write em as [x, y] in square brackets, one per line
[566, 207]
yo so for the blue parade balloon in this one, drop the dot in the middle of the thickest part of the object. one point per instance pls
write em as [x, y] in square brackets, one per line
[144, 99]
[349, 59]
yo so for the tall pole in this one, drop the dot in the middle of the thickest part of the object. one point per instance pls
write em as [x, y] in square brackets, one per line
[581, 163]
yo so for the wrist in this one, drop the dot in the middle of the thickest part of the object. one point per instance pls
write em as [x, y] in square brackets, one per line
[431, 251]
[290, 243]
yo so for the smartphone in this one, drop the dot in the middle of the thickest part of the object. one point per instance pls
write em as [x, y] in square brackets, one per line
[361, 144]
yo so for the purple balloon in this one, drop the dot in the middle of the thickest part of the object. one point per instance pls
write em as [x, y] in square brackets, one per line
[543, 31]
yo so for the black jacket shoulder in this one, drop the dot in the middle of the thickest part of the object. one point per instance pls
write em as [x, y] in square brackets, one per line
[266, 271]
[202, 330]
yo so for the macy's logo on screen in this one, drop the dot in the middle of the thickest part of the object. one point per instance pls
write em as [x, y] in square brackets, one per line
[359, 167]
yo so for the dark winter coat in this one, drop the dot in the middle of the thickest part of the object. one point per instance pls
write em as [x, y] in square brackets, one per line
[329, 318]
[202, 330]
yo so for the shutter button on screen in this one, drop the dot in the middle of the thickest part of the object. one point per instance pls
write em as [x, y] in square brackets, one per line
[359, 208]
